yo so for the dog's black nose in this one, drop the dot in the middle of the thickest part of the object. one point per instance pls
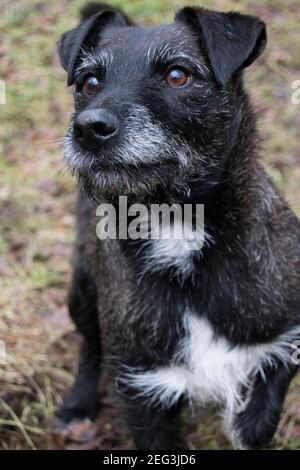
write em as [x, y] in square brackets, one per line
[95, 126]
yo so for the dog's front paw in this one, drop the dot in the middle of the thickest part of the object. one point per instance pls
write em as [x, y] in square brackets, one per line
[254, 433]
[76, 435]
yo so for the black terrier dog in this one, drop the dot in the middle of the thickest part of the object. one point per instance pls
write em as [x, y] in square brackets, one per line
[161, 116]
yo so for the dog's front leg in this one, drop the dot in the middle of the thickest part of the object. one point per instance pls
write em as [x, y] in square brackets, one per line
[153, 427]
[80, 407]
[255, 426]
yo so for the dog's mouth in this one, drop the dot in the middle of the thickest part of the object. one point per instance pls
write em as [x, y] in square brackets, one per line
[121, 168]
[118, 180]
[105, 173]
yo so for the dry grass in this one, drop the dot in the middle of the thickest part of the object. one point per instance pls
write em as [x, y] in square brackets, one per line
[36, 206]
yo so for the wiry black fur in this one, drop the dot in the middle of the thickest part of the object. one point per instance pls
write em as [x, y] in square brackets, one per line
[82, 400]
[246, 283]
[258, 422]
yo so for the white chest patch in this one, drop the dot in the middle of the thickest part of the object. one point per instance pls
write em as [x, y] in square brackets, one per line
[207, 370]
[175, 247]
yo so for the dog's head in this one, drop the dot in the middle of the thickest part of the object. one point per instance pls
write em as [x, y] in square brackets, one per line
[155, 106]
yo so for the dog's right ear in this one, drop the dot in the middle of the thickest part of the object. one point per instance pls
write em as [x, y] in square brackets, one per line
[86, 35]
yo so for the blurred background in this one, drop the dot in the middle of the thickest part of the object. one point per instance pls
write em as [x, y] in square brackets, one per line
[39, 347]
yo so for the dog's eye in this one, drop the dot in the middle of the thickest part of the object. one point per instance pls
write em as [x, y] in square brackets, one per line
[90, 85]
[177, 77]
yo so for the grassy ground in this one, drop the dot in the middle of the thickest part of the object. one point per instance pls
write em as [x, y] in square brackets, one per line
[36, 206]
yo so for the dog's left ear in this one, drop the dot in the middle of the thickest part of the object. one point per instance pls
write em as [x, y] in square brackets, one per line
[231, 41]
[85, 36]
